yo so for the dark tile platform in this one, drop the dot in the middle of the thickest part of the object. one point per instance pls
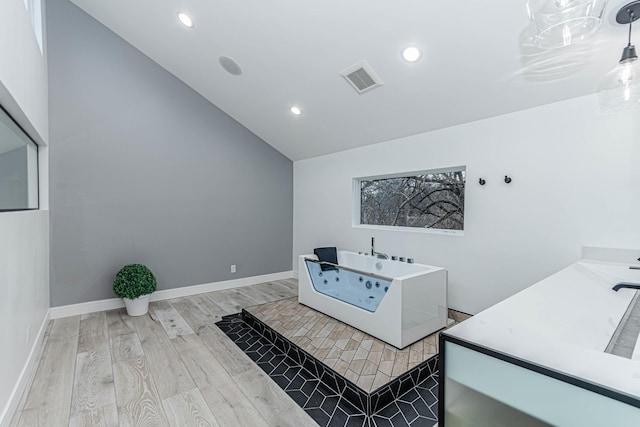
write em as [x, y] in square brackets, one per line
[329, 398]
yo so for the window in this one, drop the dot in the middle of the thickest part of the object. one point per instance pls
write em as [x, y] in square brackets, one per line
[35, 12]
[431, 199]
[18, 167]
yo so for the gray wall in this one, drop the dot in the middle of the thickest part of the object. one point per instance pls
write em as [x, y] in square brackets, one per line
[143, 169]
[13, 179]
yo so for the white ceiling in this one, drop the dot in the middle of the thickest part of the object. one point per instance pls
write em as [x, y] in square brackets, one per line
[478, 62]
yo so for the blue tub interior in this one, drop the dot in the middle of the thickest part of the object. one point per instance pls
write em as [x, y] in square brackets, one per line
[359, 289]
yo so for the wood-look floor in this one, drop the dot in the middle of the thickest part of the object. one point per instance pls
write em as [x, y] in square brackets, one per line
[173, 367]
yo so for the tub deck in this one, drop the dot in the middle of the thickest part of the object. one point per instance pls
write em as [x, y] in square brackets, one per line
[362, 359]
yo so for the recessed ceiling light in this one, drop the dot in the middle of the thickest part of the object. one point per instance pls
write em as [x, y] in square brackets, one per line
[295, 110]
[411, 54]
[185, 19]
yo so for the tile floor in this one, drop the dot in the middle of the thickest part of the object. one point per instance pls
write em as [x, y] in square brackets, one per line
[326, 405]
[362, 359]
[339, 375]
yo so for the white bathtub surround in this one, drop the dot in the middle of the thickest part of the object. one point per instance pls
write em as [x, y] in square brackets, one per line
[414, 306]
[564, 323]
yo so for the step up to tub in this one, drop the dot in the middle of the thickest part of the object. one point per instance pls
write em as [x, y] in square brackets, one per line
[364, 360]
[328, 402]
[365, 371]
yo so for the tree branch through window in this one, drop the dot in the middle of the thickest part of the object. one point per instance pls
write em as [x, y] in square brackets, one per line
[429, 200]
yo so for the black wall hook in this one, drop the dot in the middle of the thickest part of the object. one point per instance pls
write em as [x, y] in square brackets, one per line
[481, 181]
[507, 179]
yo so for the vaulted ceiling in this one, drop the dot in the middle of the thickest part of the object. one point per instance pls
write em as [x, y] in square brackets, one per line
[478, 62]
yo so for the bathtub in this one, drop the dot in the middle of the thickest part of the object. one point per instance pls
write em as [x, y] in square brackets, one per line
[396, 302]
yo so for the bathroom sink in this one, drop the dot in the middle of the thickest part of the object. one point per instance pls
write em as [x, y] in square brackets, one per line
[571, 322]
[626, 339]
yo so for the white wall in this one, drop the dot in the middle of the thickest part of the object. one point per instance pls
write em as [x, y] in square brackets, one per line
[23, 70]
[24, 294]
[576, 181]
[24, 236]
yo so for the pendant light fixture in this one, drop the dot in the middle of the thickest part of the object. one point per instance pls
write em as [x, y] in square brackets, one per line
[620, 88]
[558, 23]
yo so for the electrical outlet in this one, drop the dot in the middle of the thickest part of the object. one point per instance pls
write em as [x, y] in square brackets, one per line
[28, 334]
[233, 268]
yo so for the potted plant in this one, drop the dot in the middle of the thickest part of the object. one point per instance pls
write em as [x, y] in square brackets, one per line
[134, 283]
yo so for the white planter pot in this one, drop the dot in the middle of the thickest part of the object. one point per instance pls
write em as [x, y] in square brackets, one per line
[138, 306]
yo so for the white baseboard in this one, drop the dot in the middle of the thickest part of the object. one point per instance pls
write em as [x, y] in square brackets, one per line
[112, 303]
[85, 307]
[26, 375]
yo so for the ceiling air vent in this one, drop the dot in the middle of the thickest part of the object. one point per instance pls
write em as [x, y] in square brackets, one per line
[362, 77]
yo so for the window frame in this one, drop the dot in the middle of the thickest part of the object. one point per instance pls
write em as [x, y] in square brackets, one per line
[357, 198]
[37, 164]
[34, 8]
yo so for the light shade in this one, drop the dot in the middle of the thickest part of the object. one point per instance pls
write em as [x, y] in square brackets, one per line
[559, 23]
[620, 88]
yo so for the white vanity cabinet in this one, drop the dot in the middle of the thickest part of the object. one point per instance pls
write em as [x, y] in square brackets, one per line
[538, 358]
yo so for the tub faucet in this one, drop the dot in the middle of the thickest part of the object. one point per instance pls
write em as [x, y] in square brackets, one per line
[373, 250]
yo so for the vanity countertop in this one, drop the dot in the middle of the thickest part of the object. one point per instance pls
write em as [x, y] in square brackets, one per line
[565, 323]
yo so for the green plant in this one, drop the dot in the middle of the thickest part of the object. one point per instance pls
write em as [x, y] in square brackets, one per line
[134, 280]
